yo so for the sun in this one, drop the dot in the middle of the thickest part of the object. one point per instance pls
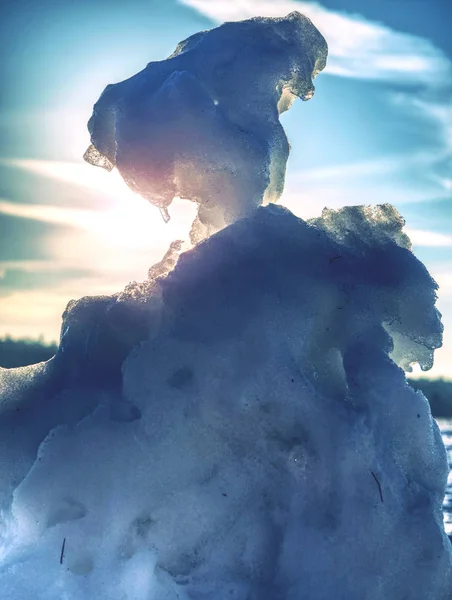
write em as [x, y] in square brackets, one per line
[126, 223]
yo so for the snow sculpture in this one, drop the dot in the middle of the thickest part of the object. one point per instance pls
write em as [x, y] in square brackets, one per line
[237, 426]
[203, 124]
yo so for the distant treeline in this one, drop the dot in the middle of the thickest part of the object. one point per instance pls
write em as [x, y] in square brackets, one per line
[18, 353]
[439, 394]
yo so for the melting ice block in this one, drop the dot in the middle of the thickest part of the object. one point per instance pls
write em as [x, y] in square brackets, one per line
[204, 123]
[235, 427]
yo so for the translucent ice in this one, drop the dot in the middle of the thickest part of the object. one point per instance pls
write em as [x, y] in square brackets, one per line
[204, 123]
[236, 427]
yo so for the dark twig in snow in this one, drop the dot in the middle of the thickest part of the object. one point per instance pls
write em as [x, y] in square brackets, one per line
[379, 486]
[62, 551]
[334, 258]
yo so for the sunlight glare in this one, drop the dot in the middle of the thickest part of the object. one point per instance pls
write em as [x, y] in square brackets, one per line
[129, 223]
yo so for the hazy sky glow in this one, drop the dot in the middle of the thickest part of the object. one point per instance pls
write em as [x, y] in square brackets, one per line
[379, 129]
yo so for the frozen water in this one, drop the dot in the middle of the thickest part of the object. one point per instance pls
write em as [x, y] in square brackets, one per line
[204, 123]
[235, 427]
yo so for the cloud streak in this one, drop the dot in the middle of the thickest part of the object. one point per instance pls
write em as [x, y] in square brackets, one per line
[51, 214]
[376, 167]
[357, 47]
[429, 239]
[78, 174]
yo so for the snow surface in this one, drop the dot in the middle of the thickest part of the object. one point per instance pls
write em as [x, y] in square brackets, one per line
[204, 123]
[258, 443]
[237, 426]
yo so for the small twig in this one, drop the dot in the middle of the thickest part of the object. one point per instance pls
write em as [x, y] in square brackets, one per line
[334, 258]
[379, 486]
[62, 551]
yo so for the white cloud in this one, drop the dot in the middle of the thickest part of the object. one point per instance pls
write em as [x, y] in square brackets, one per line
[79, 174]
[50, 214]
[357, 47]
[432, 239]
[382, 165]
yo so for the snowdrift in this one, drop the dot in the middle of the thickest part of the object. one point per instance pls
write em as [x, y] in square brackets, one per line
[236, 427]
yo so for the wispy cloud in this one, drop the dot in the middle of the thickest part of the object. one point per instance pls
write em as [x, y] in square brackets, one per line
[357, 47]
[430, 239]
[51, 214]
[78, 174]
[431, 109]
[384, 165]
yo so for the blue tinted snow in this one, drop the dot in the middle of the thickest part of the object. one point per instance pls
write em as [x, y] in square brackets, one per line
[236, 427]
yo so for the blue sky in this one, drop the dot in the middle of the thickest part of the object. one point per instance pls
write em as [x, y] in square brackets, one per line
[379, 129]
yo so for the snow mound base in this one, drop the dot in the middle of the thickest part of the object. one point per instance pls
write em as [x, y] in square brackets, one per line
[235, 427]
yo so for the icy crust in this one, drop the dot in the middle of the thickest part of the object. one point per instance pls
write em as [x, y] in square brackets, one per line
[258, 443]
[204, 123]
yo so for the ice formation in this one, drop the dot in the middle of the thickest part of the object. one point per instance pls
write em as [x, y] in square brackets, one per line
[235, 427]
[204, 123]
[238, 426]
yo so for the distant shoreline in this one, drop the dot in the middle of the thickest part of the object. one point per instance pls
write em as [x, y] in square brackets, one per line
[439, 394]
